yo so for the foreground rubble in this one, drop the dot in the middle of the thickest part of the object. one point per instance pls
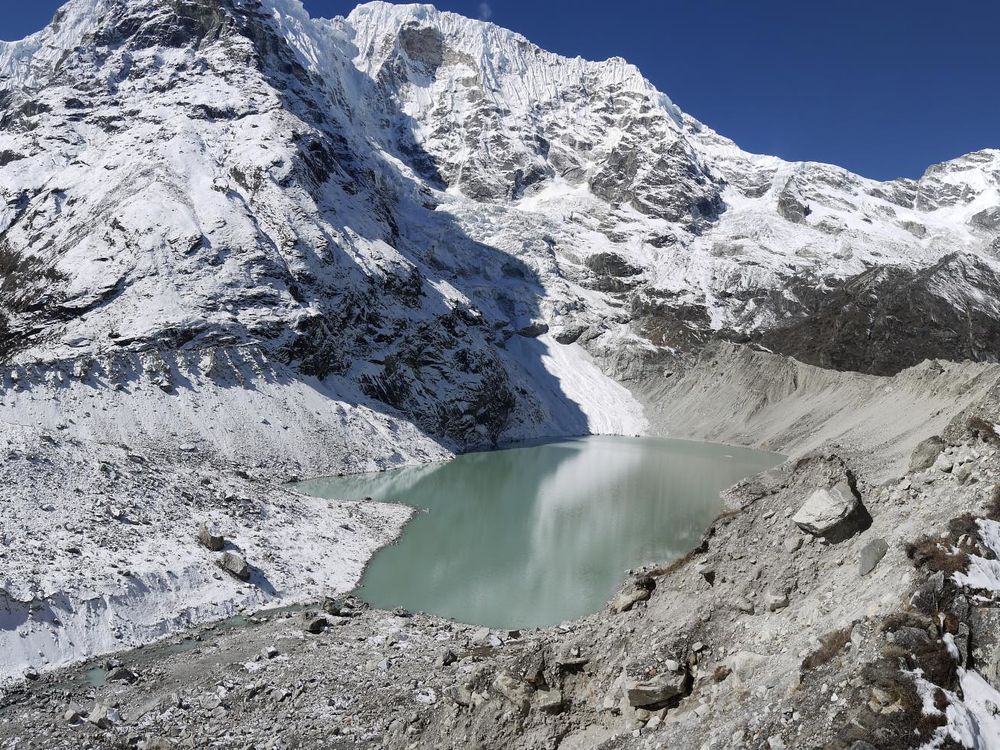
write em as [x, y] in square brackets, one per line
[878, 631]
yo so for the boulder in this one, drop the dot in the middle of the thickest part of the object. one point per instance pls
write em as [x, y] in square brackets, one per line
[460, 695]
[210, 538]
[234, 564]
[346, 605]
[122, 674]
[637, 590]
[926, 453]
[871, 554]
[826, 509]
[104, 716]
[313, 623]
[446, 658]
[655, 690]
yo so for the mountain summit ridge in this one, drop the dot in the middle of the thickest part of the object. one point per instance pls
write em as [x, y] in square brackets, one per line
[432, 208]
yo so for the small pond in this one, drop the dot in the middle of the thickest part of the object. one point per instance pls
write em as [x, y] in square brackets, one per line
[535, 535]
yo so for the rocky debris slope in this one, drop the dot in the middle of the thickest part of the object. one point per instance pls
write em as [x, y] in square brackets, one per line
[877, 630]
[734, 394]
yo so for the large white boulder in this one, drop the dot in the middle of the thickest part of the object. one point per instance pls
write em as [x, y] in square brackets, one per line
[826, 509]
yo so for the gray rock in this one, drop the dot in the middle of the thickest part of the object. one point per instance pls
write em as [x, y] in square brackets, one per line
[571, 657]
[234, 564]
[513, 690]
[122, 674]
[826, 509]
[926, 453]
[74, 714]
[944, 463]
[638, 590]
[532, 668]
[793, 543]
[447, 658]
[460, 695]
[313, 623]
[534, 329]
[776, 601]
[871, 554]
[549, 701]
[656, 690]
[790, 207]
[988, 219]
[211, 538]
[104, 716]
[963, 473]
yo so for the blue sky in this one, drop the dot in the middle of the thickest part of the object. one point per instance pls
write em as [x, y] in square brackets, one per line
[882, 87]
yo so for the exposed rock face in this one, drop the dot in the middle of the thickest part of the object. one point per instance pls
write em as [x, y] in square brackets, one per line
[867, 322]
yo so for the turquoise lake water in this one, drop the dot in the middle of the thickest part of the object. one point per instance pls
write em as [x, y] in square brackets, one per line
[532, 536]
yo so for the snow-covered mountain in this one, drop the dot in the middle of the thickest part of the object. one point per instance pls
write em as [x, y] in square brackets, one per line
[434, 217]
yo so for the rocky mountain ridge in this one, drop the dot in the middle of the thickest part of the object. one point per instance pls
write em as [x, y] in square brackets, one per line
[393, 197]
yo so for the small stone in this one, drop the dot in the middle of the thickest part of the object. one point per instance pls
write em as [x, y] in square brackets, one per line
[549, 701]
[944, 463]
[871, 554]
[74, 714]
[776, 601]
[271, 652]
[447, 658]
[793, 543]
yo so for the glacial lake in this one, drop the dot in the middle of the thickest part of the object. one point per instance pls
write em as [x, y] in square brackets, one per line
[532, 536]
